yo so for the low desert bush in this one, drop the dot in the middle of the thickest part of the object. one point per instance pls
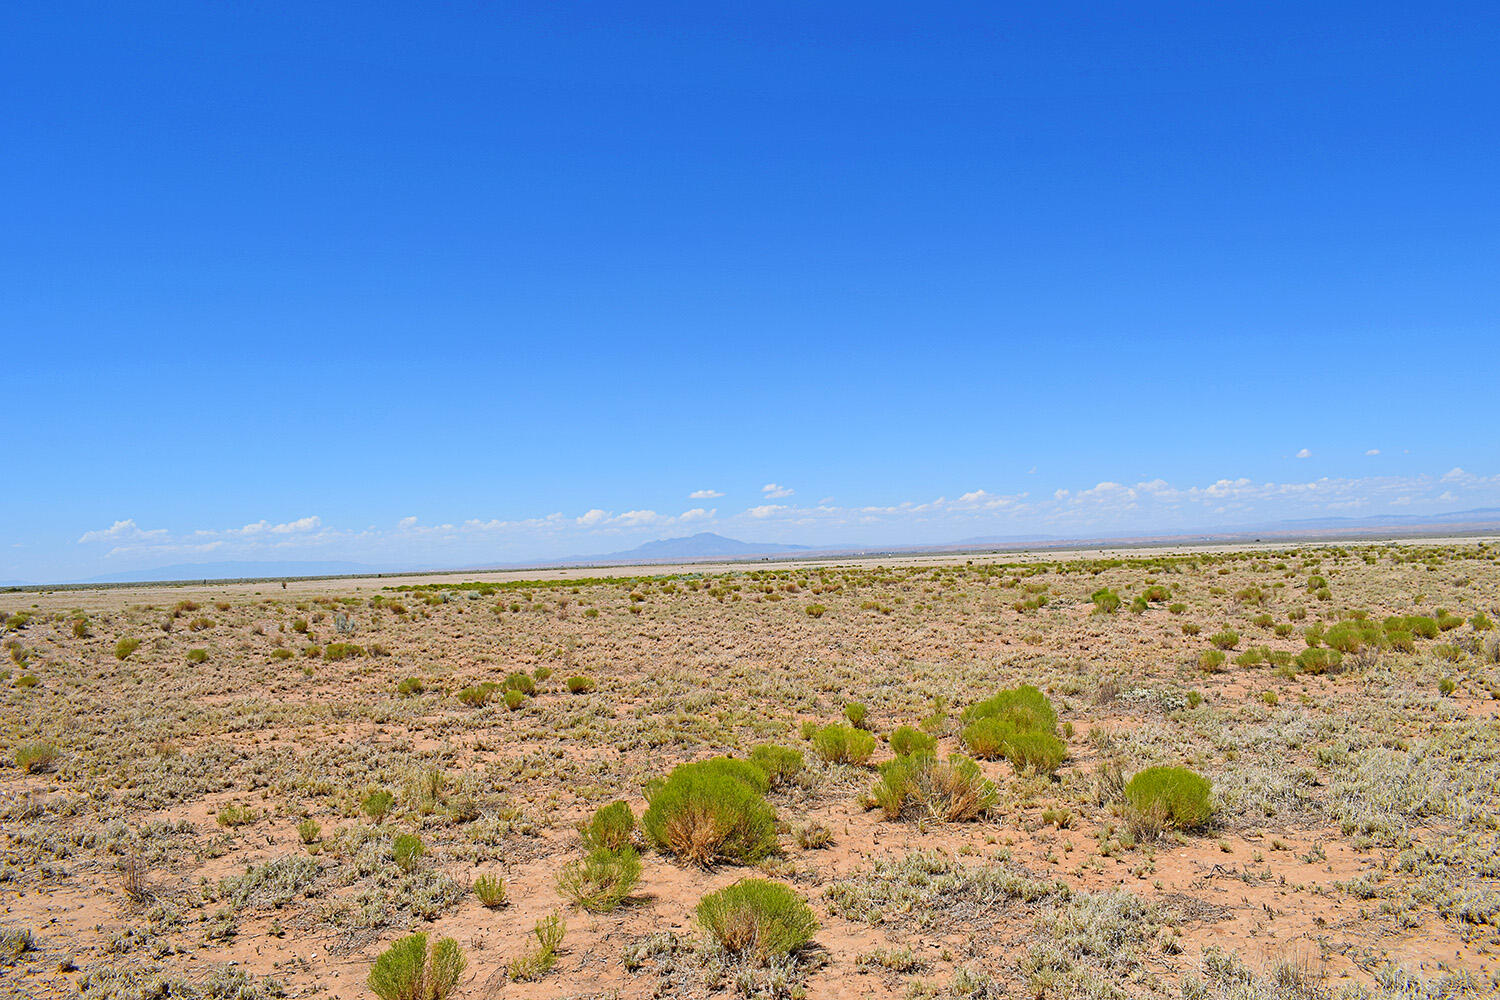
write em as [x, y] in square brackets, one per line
[781, 764]
[840, 744]
[611, 827]
[1106, 601]
[406, 850]
[36, 757]
[519, 681]
[1211, 660]
[336, 651]
[1168, 798]
[905, 740]
[756, 920]
[308, 831]
[602, 879]
[855, 713]
[1018, 724]
[409, 687]
[408, 970]
[1315, 660]
[197, 655]
[377, 804]
[920, 784]
[541, 956]
[1226, 639]
[126, 646]
[580, 684]
[712, 810]
[490, 891]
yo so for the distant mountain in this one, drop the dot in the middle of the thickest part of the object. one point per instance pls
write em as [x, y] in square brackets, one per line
[234, 571]
[704, 545]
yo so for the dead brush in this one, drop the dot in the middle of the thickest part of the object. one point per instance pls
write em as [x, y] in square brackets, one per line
[133, 881]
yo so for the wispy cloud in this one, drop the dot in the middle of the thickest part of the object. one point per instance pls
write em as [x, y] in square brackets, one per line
[1305, 453]
[775, 491]
[1103, 508]
[704, 495]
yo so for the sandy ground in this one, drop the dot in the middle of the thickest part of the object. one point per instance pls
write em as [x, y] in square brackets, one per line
[1353, 833]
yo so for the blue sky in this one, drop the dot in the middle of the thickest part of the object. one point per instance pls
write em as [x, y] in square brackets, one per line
[487, 282]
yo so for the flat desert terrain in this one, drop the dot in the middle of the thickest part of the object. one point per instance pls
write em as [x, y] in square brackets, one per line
[1240, 773]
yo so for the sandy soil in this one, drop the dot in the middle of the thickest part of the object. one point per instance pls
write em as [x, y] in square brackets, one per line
[1352, 846]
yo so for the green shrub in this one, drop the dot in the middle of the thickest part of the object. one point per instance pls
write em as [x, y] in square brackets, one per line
[541, 956]
[36, 757]
[781, 764]
[411, 686]
[490, 891]
[308, 831]
[602, 879]
[580, 685]
[407, 850]
[1177, 608]
[513, 698]
[711, 810]
[611, 827]
[840, 744]
[478, 694]
[282, 653]
[1024, 705]
[816, 610]
[408, 971]
[919, 784]
[1106, 601]
[126, 646]
[905, 740]
[808, 728]
[519, 681]
[336, 651]
[1318, 661]
[756, 920]
[1227, 639]
[855, 713]
[197, 655]
[1191, 628]
[1169, 797]
[1211, 660]
[377, 804]
[1018, 724]
[233, 815]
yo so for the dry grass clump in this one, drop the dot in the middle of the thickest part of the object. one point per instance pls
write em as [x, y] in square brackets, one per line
[920, 784]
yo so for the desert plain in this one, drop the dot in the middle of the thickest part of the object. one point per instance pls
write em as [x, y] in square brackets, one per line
[253, 790]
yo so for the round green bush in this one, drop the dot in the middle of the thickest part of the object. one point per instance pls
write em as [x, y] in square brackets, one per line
[710, 811]
[757, 919]
[1170, 797]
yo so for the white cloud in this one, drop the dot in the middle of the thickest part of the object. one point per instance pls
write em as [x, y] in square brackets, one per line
[593, 517]
[126, 530]
[636, 518]
[1304, 453]
[1373, 451]
[704, 495]
[774, 491]
[766, 510]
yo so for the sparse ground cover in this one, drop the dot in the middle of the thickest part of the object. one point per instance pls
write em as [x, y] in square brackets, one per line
[1243, 773]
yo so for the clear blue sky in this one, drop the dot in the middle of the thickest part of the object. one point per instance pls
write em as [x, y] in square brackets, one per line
[276, 280]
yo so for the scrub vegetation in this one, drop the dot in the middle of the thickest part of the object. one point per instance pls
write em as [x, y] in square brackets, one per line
[1246, 772]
